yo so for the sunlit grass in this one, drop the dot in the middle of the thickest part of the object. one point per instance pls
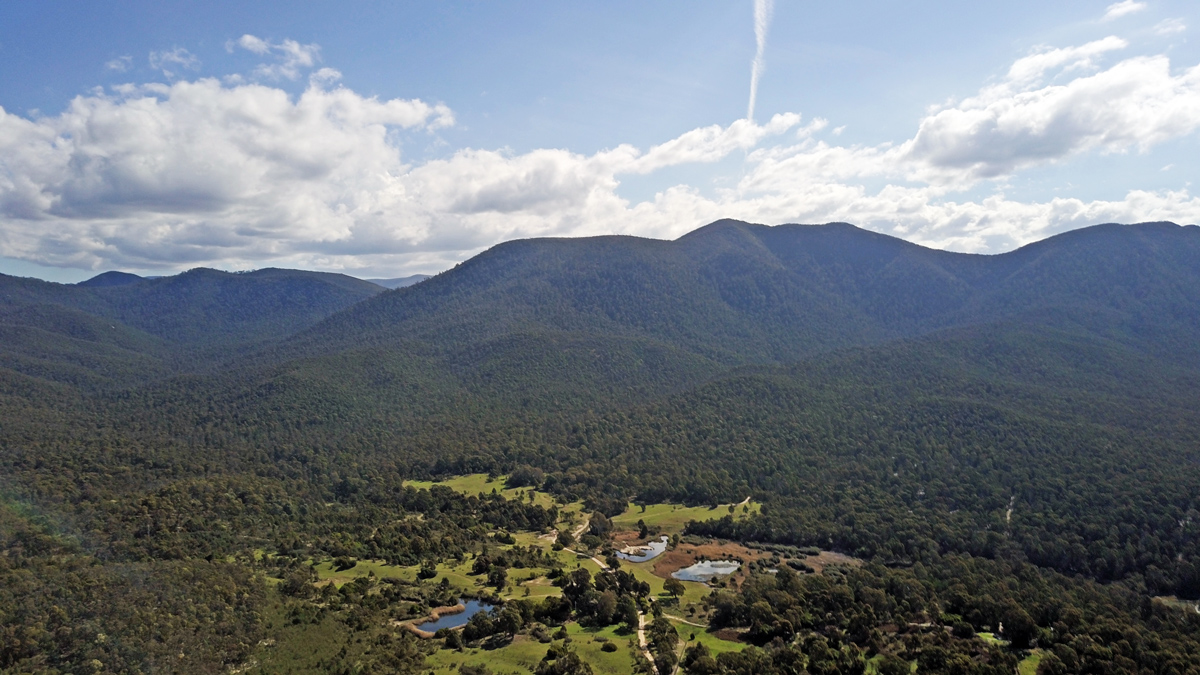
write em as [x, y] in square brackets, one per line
[671, 518]
[1029, 665]
[524, 653]
[476, 483]
[693, 635]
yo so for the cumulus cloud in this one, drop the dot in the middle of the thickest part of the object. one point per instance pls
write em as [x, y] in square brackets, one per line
[291, 56]
[1032, 69]
[120, 64]
[712, 143]
[169, 62]
[243, 174]
[1134, 104]
[196, 171]
[1123, 8]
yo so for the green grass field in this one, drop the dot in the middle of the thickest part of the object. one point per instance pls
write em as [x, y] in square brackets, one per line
[1029, 665]
[459, 576]
[642, 572]
[476, 483]
[523, 654]
[991, 638]
[363, 568]
[299, 648]
[873, 665]
[690, 635]
[670, 518]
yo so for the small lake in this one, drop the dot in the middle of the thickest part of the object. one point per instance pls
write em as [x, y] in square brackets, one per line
[705, 571]
[457, 620]
[649, 551]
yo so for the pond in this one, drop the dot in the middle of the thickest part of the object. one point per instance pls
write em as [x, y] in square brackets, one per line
[457, 620]
[705, 571]
[648, 551]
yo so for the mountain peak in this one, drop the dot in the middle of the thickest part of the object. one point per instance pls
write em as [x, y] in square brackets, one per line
[111, 278]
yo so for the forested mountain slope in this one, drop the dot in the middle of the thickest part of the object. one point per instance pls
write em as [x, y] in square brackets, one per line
[739, 293]
[118, 329]
[1027, 419]
[583, 322]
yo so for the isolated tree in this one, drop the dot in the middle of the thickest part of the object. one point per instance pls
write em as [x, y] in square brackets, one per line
[497, 578]
[627, 613]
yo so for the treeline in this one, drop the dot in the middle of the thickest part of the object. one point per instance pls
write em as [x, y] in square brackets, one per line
[931, 615]
[895, 453]
[63, 610]
[170, 579]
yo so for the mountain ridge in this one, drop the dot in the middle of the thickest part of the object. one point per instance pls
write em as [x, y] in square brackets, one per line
[794, 275]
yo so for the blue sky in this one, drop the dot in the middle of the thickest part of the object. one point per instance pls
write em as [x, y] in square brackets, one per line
[384, 139]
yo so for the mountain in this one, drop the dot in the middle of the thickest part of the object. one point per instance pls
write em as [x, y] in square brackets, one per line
[564, 323]
[623, 318]
[120, 328]
[737, 292]
[400, 282]
[1007, 443]
[113, 278]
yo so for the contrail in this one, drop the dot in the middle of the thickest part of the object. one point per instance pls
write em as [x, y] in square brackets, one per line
[762, 19]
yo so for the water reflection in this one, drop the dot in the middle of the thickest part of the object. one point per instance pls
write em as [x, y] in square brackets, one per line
[457, 620]
[705, 571]
[647, 551]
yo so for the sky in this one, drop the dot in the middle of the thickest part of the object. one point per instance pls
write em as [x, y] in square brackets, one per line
[383, 139]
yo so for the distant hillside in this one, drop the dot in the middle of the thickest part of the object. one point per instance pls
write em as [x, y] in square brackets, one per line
[1008, 443]
[741, 292]
[400, 282]
[159, 325]
[843, 373]
[588, 316]
[110, 279]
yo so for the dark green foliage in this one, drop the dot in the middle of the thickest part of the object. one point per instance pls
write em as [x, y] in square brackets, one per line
[836, 621]
[562, 661]
[526, 476]
[60, 608]
[119, 330]
[980, 425]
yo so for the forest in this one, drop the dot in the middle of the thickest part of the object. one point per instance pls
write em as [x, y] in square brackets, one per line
[1007, 445]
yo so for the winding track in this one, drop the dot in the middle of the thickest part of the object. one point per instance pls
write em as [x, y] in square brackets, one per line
[641, 630]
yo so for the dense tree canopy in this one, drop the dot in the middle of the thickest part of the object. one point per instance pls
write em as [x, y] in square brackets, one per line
[1007, 440]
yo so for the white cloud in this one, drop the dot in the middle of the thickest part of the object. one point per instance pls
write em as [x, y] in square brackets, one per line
[1032, 69]
[712, 143]
[325, 76]
[120, 64]
[243, 175]
[1170, 27]
[1135, 104]
[196, 172]
[176, 58]
[1123, 8]
[291, 56]
[254, 44]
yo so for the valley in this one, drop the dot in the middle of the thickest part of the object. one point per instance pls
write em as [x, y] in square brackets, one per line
[905, 459]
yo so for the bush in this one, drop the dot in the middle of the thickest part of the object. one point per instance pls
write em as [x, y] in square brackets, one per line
[526, 476]
[800, 566]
